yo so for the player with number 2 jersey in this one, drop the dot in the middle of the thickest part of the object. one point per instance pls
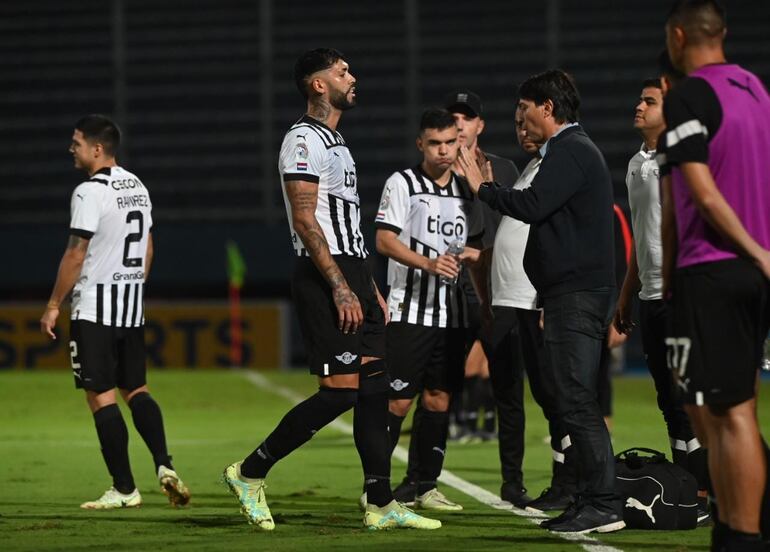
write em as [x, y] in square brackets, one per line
[105, 267]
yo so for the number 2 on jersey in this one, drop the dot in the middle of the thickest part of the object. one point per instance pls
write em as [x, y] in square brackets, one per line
[132, 237]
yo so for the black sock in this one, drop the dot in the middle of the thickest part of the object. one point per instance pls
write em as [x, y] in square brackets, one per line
[297, 428]
[698, 465]
[370, 432]
[113, 438]
[719, 531]
[738, 541]
[149, 423]
[413, 464]
[488, 404]
[489, 421]
[394, 429]
[473, 402]
[679, 456]
[432, 448]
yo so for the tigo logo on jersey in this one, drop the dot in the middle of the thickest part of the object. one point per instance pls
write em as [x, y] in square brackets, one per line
[346, 357]
[398, 385]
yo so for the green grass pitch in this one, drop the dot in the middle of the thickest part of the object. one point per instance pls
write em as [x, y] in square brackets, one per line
[50, 463]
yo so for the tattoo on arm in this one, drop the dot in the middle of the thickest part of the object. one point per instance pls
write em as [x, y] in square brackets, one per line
[77, 243]
[303, 198]
[320, 109]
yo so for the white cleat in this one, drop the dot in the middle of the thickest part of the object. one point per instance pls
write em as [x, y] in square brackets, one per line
[435, 500]
[174, 488]
[112, 499]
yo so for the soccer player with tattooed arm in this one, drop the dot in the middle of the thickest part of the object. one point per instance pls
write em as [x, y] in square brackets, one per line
[341, 313]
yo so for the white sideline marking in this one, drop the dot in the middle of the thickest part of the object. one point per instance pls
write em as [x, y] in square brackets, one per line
[587, 542]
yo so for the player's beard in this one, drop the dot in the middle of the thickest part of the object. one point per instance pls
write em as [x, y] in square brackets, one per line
[339, 100]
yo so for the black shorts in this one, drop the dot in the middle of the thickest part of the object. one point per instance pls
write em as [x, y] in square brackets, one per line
[105, 357]
[421, 357]
[330, 351]
[718, 325]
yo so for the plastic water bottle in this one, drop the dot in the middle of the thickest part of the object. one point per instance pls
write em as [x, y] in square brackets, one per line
[455, 247]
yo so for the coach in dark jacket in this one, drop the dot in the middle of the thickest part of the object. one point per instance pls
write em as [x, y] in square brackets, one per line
[570, 261]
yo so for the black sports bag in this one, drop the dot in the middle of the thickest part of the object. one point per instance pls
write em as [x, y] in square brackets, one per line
[656, 493]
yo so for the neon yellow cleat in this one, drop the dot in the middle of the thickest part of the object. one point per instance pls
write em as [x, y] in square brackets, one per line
[177, 492]
[396, 516]
[112, 499]
[435, 500]
[251, 494]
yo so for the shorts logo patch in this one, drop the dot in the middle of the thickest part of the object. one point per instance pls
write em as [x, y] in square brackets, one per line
[346, 357]
[399, 385]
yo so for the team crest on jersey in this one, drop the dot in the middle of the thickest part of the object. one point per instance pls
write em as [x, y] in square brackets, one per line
[398, 385]
[346, 357]
[301, 151]
[385, 203]
[301, 155]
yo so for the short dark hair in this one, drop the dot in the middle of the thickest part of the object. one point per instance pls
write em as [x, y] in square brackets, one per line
[667, 69]
[703, 20]
[436, 117]
[651, 83]
[311, 62]
[557, 86]
[100, 129]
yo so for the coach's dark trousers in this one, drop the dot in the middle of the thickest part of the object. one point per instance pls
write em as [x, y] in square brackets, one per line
[514, 344]
[575, 329]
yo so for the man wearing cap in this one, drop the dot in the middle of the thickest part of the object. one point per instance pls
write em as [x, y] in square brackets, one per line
[467, 109]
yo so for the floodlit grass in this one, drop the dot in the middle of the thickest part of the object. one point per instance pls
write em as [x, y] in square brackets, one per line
[50, 463]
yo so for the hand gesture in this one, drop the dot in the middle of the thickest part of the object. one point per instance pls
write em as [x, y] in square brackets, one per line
[48, 321]
[485, 165]
[349, 311]
[476, 167]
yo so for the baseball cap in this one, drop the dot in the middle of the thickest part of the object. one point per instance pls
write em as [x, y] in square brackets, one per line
[464, 101]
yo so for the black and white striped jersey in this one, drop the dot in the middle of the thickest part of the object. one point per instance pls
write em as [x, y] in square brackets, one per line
[313, 152]
[114, 212]
[427, 217]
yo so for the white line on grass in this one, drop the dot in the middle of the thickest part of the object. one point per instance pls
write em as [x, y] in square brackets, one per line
[588, 543]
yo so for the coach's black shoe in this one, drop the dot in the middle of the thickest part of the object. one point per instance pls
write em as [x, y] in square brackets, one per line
[588, 519]
[704, 514]
[515, 494]
[406, 492]
[568, 513]
[550, 500]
